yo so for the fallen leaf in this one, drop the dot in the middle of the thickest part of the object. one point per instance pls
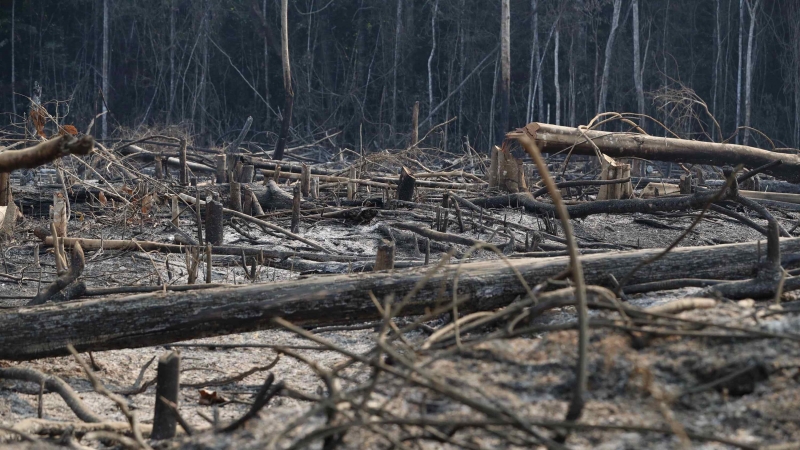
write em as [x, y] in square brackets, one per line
[208, 398]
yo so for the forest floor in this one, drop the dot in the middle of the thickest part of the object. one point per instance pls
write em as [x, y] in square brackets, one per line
[699, 387]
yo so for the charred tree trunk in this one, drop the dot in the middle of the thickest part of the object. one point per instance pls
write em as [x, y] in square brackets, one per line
[288, 103]
[405, 187]
[153, 319]
[505, 69]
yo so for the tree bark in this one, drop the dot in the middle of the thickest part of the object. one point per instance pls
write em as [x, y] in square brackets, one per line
[505, 69]
[104, 73]
[534, 59]
[717, 61]
[397, 30]
[572, 73]
[637, 64]
[612, 36]
[414, 125]
[168, 386]
[45, 152]
[555, 79]
[214, 227]
[739, 71]
[156, 319]
[171, 61]
[434, 13]
[288, 103]
[748, 84]
[384, 260]
[551, 138]
[405, 187]
[13, 60]
[204, 69]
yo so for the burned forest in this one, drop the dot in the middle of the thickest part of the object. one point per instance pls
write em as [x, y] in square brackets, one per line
[400, 224]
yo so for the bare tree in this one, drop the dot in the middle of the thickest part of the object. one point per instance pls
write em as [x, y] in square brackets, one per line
[505, 68]
[572, 70]
[739, 71]
[266, 62]
[534, 59]
[717, 61]
[637, 64]
[753, 10]
[104, 72]
[171, 60]
[204, 68]
[397, 31]
[794, 65]
[612, 36]
[288, 105]
[494, 99]
[13, 63]
[462, 62]
[555, 76]
[433, 51]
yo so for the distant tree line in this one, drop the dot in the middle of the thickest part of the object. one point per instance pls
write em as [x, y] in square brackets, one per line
[358, 66]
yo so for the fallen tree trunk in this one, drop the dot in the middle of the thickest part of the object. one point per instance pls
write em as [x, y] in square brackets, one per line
[45, 152]
[137, 152]
[232, 250]
[157, 318]
[627, 206]
[553, 138]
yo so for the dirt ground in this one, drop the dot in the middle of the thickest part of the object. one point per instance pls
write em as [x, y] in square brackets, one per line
[632, 384]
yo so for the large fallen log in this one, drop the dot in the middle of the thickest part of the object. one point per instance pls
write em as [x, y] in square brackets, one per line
[45, 152]
[159, 318]
[553, 138]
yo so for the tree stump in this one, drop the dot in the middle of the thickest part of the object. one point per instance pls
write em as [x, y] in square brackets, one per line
[167, 387]
[613, 170]
[384, 260]
[214, 227]
[405, 187]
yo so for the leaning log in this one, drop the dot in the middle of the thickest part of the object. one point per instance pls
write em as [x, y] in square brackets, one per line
[160, 318]
[553, 138]
[45, 152]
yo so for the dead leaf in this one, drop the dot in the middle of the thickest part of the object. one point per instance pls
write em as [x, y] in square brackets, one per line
[68, 129]
[102, 199]
[208, 398]
[37, 116]
[147, 203]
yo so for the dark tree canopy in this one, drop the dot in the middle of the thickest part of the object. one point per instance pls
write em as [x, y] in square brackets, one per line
[207, 65]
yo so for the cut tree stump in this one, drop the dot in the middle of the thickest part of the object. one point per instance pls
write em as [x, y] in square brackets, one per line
[659, 190]
[506, 171]
[613, 170]
[405, 187]
[158, 318]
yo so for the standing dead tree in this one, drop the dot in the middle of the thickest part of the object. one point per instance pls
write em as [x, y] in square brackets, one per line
[288, 103]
